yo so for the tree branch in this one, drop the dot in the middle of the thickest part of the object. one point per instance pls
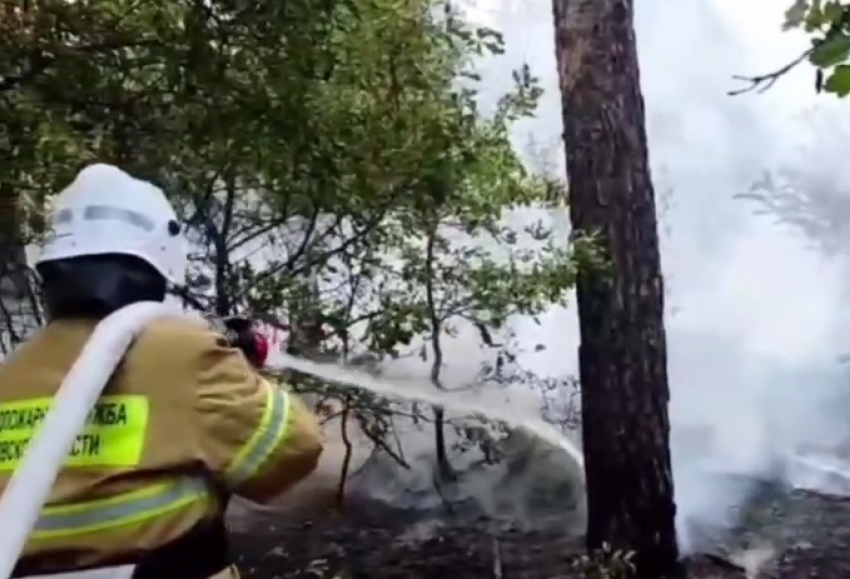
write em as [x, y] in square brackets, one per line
[762, 83]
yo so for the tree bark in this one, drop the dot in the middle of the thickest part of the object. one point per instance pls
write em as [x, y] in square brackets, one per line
[14, 283]
[623, 356]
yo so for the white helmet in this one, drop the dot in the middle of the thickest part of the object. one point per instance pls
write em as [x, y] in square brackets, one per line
[106, 211]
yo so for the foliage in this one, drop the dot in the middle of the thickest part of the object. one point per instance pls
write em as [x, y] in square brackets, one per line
[811, 203]
[808, 194]
[606, 563]
[827, 23]
[329, 160]
[804, 197]
[560, 394]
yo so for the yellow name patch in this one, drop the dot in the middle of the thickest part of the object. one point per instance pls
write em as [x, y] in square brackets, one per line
[114, 434]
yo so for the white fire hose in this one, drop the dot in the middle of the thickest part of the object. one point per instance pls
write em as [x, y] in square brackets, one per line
[30, 484]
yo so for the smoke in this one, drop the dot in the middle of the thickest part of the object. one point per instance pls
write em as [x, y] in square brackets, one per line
[755, 316]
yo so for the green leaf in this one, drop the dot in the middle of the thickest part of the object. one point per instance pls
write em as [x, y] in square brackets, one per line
[815, 18]
[839, 81]
[834, 50]
[796, 14]
[833, 11]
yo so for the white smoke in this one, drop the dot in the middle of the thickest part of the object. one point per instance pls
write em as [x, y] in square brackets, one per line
[754, 315]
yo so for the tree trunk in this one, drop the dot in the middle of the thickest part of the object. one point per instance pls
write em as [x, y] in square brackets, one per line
[14, 283]
[622, 357]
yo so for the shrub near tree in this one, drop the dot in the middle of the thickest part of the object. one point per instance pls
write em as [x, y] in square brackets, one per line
[329, 160]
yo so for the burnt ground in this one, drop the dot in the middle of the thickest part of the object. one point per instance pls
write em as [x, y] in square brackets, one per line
[380, 543]
[809, 533]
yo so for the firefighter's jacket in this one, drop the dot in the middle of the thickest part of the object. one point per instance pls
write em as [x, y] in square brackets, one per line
[183, 423]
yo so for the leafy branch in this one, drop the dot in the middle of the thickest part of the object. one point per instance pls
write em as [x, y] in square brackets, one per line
[828, 23]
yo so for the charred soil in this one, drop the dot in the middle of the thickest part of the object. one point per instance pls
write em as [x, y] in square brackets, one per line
[810, 535]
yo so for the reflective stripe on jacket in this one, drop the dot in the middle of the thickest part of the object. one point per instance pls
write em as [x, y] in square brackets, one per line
[133, 507]
[269, 435]
[183, 419]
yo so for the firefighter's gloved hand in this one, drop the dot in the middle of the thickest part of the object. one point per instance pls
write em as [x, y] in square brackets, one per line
[242, 333]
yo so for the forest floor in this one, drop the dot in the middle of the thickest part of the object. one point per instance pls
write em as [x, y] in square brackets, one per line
[808, 533]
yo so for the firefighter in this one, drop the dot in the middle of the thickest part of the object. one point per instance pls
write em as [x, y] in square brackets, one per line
[184, 423]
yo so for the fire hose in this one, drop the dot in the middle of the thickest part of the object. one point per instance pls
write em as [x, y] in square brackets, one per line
[30, 484]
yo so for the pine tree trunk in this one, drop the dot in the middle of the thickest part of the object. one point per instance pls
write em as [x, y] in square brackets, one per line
[622, 357]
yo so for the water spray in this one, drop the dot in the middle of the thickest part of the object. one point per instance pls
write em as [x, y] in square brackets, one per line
[410, 389]
[425, 392]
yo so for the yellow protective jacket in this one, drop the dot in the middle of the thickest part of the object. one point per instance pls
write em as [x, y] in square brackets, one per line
[184, 422]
